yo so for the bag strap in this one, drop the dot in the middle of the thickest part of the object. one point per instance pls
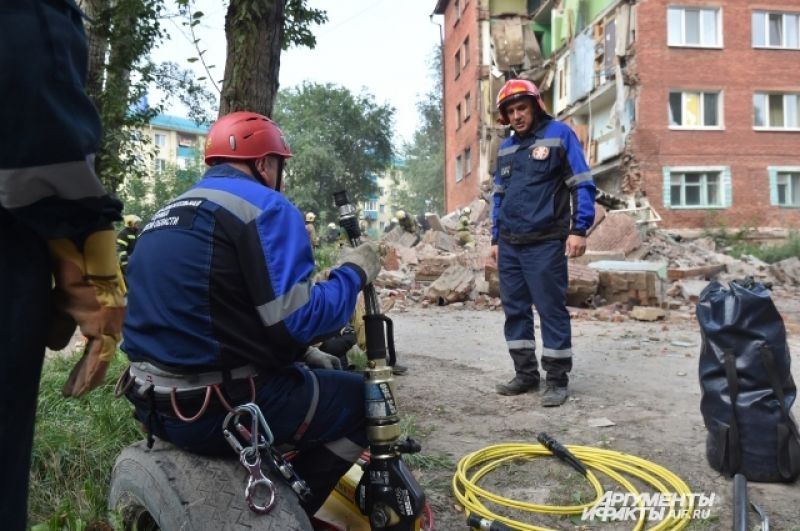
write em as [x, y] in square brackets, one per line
[734, 446]
[786, 470]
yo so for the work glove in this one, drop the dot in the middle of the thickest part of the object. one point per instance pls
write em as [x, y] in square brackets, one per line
[314, 357]
[364, 256]
[90, 290]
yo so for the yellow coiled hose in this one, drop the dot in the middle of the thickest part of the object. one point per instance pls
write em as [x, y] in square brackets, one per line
[611, 463]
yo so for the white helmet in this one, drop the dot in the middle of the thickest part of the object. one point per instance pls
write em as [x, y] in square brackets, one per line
[400, 214]
[466, 211]
[131, 219]
[332, 225]
[310, 216]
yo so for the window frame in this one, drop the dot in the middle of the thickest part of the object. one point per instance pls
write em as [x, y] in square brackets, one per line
[784, 23]
[786, 111]
[700, 8]
[465, 55]
[459, 169]
[458, 116]
[159, 165]
[467, 112]
[156, 136]
[724, 184]
[467, 160]
[774, 173]
[701, 93]
[457, 61]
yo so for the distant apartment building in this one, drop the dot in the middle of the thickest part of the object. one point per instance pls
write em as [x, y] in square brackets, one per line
[688, 110]
[378, 210]
[175, 141]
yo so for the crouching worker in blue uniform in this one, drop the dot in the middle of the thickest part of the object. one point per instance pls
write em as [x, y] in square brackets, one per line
[222, 308]
[543, 206]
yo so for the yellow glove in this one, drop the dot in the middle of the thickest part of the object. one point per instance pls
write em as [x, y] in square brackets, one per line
[89, 288]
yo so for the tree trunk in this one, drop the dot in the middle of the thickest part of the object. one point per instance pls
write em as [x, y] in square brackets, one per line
[97, 37]
[254, 32]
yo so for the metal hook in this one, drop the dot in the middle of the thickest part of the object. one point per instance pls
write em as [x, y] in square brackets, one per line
[256, 479]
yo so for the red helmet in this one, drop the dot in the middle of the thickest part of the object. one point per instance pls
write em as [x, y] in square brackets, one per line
[245, 136]
[513, 90]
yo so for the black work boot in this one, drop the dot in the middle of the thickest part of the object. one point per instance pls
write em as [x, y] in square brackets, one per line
[554, 395]
[517, 386]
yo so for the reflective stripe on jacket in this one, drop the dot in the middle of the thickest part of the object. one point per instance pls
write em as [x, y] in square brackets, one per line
[222, 276]
[538, 178]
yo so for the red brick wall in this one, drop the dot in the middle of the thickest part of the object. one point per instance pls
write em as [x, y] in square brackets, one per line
[459, 194]
[738, 70]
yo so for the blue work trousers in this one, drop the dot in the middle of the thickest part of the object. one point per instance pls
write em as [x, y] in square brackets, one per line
[318, 412]
[536, 275]
[25, 316]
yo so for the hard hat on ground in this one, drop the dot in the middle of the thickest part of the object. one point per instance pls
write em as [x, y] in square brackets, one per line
[310, 216]
[245, 136]
[131, 220]
[513, 90]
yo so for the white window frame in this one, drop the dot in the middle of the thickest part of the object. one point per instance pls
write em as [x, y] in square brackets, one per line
[784, 23]
[682, 29]
[774, 174]
[459, 169]
[371, 205]
[467, 104]
[786, 111]
[162, 137]
[459, 119]
[724, 184]
[701, 93]
[467, 161]
[159, 166]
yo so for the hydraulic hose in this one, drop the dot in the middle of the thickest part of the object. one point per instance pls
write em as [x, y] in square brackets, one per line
[615, 465]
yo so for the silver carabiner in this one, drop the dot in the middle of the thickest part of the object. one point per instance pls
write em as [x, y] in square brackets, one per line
[256, 479]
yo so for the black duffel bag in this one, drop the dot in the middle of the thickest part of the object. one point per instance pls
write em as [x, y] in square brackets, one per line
[748, 390]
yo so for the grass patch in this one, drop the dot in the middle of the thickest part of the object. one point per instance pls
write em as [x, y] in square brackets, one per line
[737, 244]
[75, 445]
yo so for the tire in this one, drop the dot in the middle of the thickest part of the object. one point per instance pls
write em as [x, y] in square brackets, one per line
[172, 490]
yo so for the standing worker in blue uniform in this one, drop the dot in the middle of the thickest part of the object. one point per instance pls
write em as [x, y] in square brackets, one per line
[221, 297]
[543, 206]
[58, 265]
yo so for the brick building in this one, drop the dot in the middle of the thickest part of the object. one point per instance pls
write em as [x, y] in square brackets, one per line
[689, 112]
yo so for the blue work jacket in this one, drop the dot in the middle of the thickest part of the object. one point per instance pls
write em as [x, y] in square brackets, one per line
[222, 276]
[543, 188]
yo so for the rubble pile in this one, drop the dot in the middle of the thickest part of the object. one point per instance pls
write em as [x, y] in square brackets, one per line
[629, 270]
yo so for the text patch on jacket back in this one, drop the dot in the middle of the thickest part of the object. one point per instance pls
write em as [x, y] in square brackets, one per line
[179, 213]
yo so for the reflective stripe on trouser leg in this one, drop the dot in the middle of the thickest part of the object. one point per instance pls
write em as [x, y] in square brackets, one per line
[517, 303]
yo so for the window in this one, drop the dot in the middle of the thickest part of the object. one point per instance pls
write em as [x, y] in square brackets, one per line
[784, 185]
[457, 9]
[466, 107]
[697, 187]
[370, 205]
[458, 116]
[776, 111]
[160, 165]
[693, 27]
[694, 109]
[467, 161]
[466, 51]
[160, 139]
[383, 209]
[383, 225]
[776, 30]
[182, 163]
[458, 63]
[459, 169]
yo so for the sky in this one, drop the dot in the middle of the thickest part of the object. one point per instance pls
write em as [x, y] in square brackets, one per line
[381, 47]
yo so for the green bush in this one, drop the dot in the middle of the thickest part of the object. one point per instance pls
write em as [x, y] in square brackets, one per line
[770, 253]
[76, 443]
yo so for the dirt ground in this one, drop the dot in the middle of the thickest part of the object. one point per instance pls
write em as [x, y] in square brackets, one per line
[641, 376]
